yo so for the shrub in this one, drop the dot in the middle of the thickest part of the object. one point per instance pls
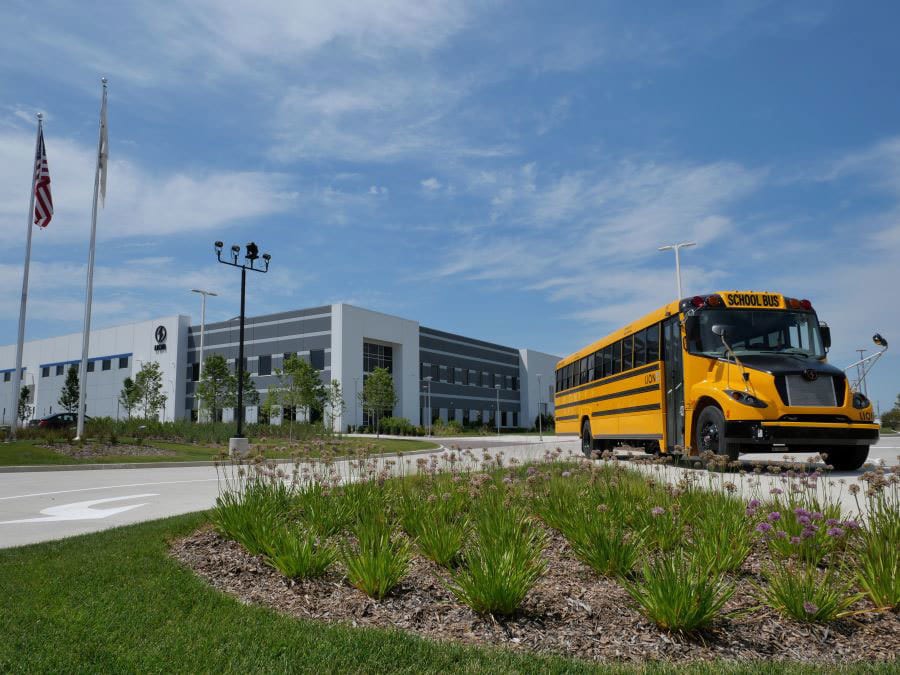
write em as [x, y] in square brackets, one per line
[380, 561]
[806, 594]
[295, 553]
[607, 547]
[678, 593]
[504, 562]
[399, 426]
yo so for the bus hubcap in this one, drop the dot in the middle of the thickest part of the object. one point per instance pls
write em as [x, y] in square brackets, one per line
[710, 436]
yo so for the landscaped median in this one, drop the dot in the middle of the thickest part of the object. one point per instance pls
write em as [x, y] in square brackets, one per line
[560, 565]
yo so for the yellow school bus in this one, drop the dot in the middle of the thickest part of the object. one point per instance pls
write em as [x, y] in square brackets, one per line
[728, 372]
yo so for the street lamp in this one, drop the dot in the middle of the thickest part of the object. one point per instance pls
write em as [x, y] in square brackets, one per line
[251, 255]
[677, 247]
[540, 408]
[497, 413]
[202, 332]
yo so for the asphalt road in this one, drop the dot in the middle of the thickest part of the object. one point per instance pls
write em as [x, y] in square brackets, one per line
[47, 505]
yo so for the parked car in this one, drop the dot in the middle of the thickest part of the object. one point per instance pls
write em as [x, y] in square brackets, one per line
[59, 421]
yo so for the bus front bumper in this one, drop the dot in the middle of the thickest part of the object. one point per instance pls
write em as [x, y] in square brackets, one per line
[800, 433]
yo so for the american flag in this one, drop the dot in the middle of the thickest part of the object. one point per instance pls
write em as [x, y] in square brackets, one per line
[43, 201]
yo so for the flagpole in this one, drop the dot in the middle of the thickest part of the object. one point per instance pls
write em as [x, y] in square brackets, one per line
[20, 344]
[86, 338]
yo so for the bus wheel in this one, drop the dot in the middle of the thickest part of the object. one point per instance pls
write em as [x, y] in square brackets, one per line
[711, 434]
[846, 458]
[587, 440]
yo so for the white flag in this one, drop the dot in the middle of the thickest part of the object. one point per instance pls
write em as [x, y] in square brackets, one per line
[103, 158]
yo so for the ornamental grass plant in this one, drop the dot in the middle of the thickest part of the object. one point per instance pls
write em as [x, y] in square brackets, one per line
[876, 550]
[436, 521]
[380, 560]
[327, 511]
[678, 593]
[296, 553]
[505, 559]
[253, 515]
[805, 593]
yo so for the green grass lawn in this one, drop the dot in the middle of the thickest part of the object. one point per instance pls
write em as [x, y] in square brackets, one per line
[115, 602]
[30, 453]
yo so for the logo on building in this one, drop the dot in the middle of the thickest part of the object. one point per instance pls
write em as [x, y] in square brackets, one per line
[160, 335]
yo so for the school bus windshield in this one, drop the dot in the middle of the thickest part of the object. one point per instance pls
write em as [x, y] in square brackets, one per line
[758, 332]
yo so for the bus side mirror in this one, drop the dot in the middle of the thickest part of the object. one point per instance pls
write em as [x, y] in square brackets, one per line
[826, 336]
[720, 330]
[878, 340]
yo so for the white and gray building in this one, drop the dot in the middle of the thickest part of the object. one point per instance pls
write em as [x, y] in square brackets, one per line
[463, 378]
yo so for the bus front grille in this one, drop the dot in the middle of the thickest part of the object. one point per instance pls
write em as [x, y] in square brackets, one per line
[805, 393]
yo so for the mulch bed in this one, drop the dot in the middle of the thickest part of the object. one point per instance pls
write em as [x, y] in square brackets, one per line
[571, 612]
[91, 450]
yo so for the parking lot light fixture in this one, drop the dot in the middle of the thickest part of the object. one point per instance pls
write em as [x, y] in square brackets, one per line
[238, 444]
[677, 247]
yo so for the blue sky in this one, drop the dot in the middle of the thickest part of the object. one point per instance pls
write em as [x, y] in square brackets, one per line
[501, 169]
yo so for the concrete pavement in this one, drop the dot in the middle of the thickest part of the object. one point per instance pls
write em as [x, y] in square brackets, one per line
[43, 506]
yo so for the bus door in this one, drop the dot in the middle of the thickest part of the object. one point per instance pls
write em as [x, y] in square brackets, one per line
[674, 382]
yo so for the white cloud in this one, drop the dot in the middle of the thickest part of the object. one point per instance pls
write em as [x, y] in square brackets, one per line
[139, 202]
[430, 184]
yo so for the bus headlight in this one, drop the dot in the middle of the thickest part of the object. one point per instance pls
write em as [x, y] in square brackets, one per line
[746, 399]
[860, 402]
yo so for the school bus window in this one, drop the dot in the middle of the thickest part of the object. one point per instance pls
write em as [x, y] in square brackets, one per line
[627, 353]
[640, 348]
[653, 343]
[616, 357]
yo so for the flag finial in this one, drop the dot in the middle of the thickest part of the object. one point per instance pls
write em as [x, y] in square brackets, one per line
[40, 116]
[104, 81]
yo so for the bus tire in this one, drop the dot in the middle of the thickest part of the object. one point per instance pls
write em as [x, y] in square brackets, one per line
[710, 434]
[845, 458]
[587, 440]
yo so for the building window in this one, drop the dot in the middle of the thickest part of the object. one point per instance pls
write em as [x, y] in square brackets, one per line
[435, 372]
[107, 364]
[195, 372]
[457, 376]
[443, 377]
[317, 359]
[515, 384]
[288, 355]
[375, 356]
[472, 377]
[90, 367]
[425, 370]
[59, 369]
[6, 376]
[264, 365]
[485, 380]
[123, 362]
[508, 382]
[45, 371]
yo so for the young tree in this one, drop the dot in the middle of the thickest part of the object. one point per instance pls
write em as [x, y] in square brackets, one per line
[334, 399]
[149, 385]
[25, 409]
[378, 395]
[214, 389]
[68, 397]
[891, 419]
[251, 394]
[129, 397]
[299, 386]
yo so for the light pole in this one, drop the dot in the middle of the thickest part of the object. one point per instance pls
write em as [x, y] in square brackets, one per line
[540, 408]
[677, 247]
[497, 413]
[202, 332]
[239, 444]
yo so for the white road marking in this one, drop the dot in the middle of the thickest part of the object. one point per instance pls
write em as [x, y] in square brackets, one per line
[110, 487]
[82, 510]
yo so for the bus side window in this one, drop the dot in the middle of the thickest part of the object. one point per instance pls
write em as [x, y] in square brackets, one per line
[640, 348]
[598, 364]
[653, 343]
[628, 353]
[617, 357]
